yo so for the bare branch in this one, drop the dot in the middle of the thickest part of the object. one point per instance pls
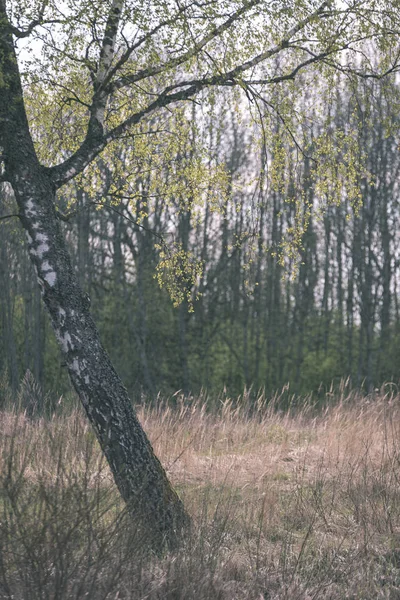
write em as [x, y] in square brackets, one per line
[130, 218]
[348, 70]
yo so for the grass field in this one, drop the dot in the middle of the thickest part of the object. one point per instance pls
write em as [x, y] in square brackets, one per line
[298, 504]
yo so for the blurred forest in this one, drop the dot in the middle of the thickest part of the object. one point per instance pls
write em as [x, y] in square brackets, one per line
[272, 302]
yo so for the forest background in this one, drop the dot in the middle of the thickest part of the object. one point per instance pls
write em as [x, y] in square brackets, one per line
[274, 280]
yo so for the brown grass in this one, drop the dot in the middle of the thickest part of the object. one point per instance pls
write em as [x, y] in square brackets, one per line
[301, 504]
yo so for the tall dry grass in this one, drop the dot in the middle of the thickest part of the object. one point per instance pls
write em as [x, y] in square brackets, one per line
[296, 504]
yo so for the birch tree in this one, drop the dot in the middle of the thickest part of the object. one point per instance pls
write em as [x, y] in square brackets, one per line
[116, 63]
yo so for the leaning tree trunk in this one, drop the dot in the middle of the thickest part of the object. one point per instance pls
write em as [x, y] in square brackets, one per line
[138, 473]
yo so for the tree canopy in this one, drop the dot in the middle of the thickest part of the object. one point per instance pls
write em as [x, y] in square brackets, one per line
[97, 71]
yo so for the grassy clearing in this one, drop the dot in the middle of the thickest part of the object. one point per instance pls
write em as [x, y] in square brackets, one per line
[302, 504]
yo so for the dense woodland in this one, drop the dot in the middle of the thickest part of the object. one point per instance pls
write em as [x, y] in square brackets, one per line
[284, 285]
[199, 242]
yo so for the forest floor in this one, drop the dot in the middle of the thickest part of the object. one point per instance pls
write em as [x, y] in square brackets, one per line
[299, 504]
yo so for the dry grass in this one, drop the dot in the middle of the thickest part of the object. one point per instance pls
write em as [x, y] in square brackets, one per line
[302, 504]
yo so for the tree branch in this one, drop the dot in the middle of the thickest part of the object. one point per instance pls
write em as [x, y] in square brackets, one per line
[292, 75]
[108, 44]
[66, 217]
[347, 70]
[97, 110]
[3, 217]
[179, 60]
[27, 32]
[95, 143]
[35, 23]
[127, 54]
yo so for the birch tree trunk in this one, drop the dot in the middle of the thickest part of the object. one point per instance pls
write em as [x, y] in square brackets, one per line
[138, 473]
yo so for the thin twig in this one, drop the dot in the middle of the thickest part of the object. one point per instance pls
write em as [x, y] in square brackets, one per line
[2, 218]
[66, 217]
[128, 218]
